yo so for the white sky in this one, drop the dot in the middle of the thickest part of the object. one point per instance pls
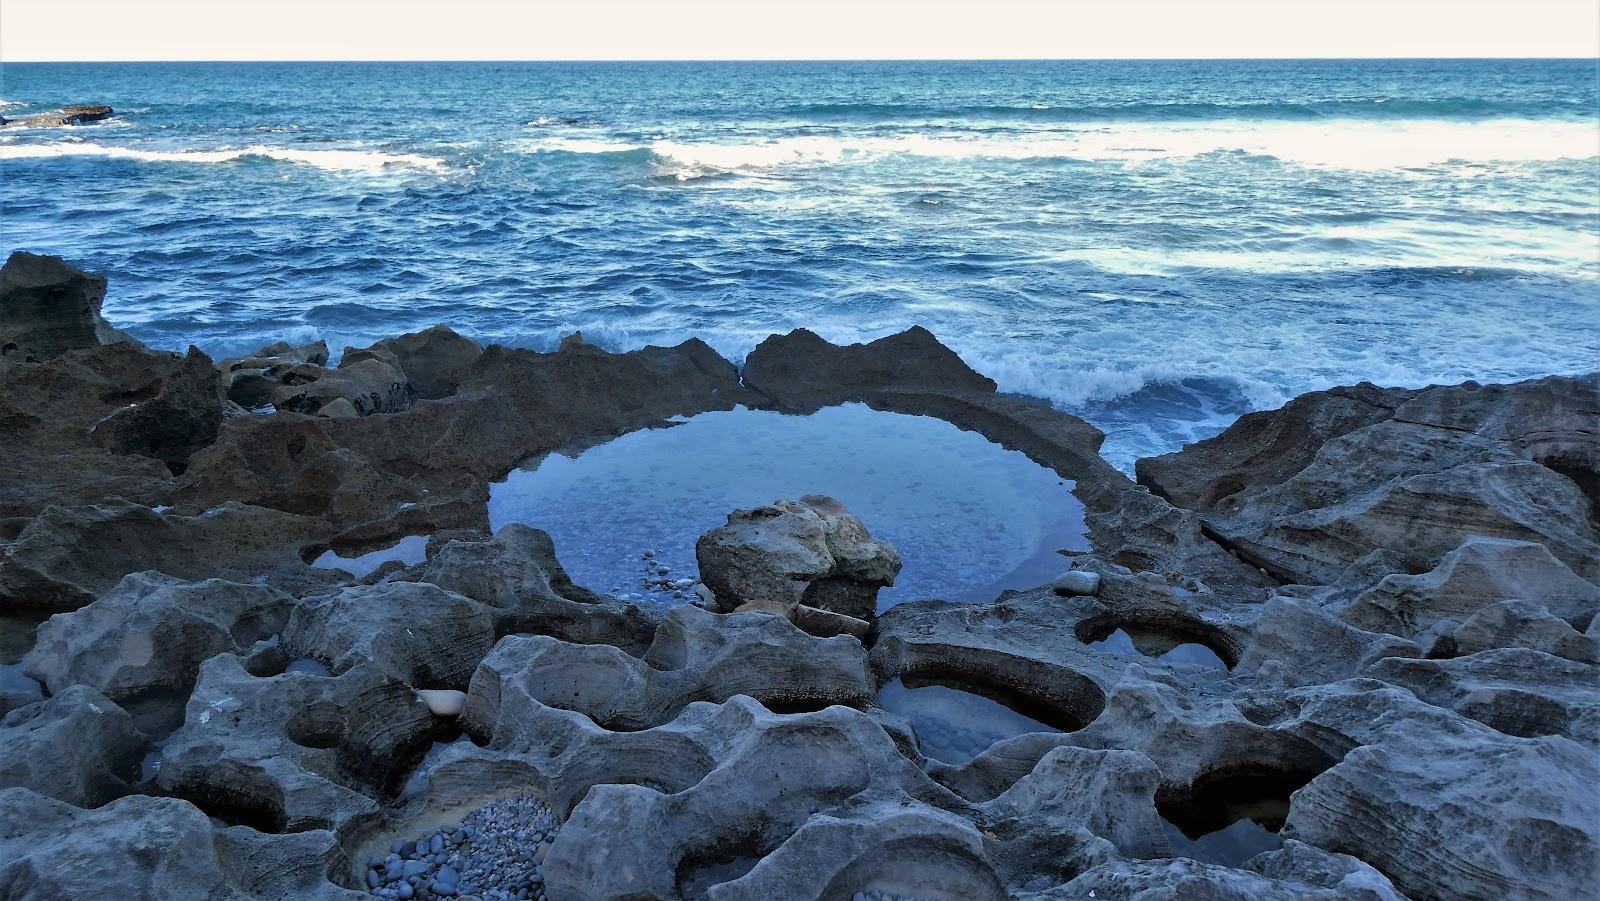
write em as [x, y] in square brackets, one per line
[790, 29]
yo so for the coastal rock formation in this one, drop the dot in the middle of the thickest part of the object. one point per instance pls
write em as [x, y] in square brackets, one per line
[696, 656]
[143, 641]
[67, 115]
[68, 556]
[517, 575]
[76, 747]
[788, 553]
[144, 847]
[48, 307]
[1345, 649]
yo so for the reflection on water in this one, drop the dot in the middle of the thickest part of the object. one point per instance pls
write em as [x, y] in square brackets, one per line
[954, 726]
[968, 517]
[409, 550]
[1137, 641]
[1252, 827]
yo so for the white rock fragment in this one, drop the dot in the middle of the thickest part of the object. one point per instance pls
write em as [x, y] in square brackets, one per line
[443, 701]
[1076, 581]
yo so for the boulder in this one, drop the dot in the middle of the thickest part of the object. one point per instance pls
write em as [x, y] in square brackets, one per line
[415, 632]
[144, 640]
[76, 747]
[810, 551]
[182, 418]
[293, 751]
[369, 386]
[69, 556]
[48, 307]
[435, 361]
[517, 575]
[144, 847]
[50, 412]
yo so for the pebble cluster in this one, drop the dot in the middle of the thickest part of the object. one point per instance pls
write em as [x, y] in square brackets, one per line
[658, 583]
[495, 854]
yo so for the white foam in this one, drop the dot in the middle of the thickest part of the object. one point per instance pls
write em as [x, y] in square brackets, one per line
[343, 160]
[1347, 144]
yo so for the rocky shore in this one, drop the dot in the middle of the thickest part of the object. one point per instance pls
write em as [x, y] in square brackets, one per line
[1400, 587]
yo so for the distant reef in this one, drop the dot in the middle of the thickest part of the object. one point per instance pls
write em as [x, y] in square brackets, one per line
[1397, 587]
[67, 115]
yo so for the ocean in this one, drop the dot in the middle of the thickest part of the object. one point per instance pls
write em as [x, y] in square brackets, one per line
[1156, 246]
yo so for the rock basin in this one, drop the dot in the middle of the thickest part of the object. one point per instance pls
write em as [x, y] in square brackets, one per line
[969, 518]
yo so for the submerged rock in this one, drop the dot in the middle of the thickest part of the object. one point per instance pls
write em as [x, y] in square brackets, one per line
[810, 551]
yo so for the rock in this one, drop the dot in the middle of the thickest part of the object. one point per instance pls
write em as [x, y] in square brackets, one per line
[516, 574]
[415, 632]
[1076, 581]
[435, 361]
[182, 418]
[48, 307]
[1267, 448]
[76, 747]
[69, 556]
[696, 656]
[913, 373]
[810, 551]
[144, 847]
[1298, 872]
[1418, 471]
[50, 413]
[293, 751]
[1476, 574]
[1519, 624]
[144, 640]
[67, 115]
[801, 371]
[1520, 813]
[339, 408]
[1145, 533]
[369, 386]
[1512, 690]
[443, 701]
[17, 689]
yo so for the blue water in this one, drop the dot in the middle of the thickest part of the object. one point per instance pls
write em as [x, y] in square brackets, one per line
[1158, 246]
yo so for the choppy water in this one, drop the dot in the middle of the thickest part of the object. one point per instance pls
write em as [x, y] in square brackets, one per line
[1156, 245]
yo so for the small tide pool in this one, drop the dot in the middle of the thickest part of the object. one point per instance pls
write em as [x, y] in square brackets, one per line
[969, 517]
[953, 725]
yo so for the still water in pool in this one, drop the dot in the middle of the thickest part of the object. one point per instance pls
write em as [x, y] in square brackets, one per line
[969, 518]
[954, 726]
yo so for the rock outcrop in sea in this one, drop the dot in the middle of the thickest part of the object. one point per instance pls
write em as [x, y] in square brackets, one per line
[1393, 593]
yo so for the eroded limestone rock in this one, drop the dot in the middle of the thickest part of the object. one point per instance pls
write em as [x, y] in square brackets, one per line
[810, 551]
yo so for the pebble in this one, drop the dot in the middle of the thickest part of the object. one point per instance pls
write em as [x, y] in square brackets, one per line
[494, 855]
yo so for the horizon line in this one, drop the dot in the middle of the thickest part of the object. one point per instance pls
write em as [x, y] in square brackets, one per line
[821, 59]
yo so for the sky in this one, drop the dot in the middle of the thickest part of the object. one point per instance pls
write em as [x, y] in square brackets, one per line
[33, 30]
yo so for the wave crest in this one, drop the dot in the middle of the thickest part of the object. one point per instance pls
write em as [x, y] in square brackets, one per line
[341, 160]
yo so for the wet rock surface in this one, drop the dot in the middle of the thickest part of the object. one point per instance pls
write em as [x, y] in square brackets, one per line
[1345, 649]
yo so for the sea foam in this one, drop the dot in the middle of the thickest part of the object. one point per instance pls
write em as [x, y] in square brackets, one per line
[333, 159]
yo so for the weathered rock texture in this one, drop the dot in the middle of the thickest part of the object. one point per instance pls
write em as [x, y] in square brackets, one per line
[1371, 614]
[811, 551]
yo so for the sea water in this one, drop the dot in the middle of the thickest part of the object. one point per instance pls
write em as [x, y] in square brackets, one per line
[1157, 246]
